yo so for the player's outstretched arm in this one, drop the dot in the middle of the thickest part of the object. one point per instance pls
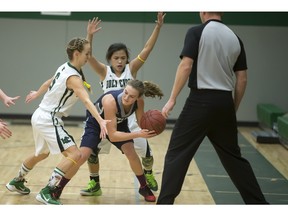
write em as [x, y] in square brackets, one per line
[97, 66]
[35, 94]
[136, 63]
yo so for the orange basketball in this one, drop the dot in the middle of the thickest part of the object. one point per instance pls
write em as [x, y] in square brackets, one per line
[153, 120]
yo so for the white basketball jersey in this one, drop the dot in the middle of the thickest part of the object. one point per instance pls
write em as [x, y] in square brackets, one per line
[59, 99]
[112, 82]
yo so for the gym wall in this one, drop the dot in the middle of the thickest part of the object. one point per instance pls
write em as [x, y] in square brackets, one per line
[33, 46]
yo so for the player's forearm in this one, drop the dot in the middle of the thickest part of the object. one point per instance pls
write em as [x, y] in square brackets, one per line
[2, 95]
[152, 40]
[44, 87]
[119, 136]
[92, 109]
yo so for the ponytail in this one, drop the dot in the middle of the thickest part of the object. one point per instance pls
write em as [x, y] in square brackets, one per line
[87, 85]
[146, 88]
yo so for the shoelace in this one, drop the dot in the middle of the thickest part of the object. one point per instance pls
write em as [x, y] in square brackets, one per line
[150, 179]
[91, 185]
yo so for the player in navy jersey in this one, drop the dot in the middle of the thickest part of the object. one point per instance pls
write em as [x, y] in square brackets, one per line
[118, 105]
[62, 91]
[212, 56]
[114, 76]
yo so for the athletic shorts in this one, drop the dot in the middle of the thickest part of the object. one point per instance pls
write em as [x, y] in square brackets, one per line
[49, 133]
[91, 137]
[140, 144]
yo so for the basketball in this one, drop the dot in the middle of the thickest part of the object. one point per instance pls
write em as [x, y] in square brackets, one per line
[153, 120]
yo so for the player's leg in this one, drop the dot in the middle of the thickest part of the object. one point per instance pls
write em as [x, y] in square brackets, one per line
[147, 162]
[93, 188]
[71, 157]
[58, 141]
[42, 151]
[135, 164]
[143, 149]
[88, 147]
[17, 184]
[85, 153]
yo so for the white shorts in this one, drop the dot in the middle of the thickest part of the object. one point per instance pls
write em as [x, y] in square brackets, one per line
[140, 144]
[49, 133]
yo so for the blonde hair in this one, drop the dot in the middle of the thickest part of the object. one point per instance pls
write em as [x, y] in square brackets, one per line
[77, 44]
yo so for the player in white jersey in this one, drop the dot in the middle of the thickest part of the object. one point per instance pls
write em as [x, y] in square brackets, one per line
[61, 92]
[114, 77]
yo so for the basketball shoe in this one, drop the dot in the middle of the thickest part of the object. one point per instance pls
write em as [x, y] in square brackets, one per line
[151, 181]
[56, 192]
[147, 194]
[17, 185]
[44, 196]
[93, 189]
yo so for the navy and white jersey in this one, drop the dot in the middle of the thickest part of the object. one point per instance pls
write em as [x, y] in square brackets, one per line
[121, 114]
[59, 99]
[217, 53]
[113, 82]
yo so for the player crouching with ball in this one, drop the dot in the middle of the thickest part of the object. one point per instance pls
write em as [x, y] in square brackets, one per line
[117, 106]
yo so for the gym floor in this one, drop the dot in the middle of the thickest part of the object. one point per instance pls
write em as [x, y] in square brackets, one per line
[206, 182]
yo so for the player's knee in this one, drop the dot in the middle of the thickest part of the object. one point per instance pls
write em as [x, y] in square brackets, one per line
[42, 156]
[93, 159]
[72, 152]
[77, 155]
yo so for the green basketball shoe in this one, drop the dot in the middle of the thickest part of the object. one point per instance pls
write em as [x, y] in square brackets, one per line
[151, 181]
[45, 196]
[93, 189]
[17, 185]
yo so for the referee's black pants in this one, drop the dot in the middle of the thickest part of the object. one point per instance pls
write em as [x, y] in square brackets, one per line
[208, 113]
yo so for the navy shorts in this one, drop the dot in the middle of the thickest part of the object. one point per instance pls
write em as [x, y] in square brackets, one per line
[91, 137]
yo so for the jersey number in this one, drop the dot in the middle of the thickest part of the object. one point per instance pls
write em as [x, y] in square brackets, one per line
[54, 80]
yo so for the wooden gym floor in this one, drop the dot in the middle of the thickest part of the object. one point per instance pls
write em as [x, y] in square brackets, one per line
[119, 186]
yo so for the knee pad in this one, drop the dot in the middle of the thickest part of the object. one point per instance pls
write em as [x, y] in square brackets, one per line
[147, 162]
[93, 159]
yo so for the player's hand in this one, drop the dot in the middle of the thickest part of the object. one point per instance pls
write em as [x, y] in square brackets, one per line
[145, 133]
[92, 26]
[4, 130]
[10, 100]
[31, 96]
[160, 18]
[104, 131]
